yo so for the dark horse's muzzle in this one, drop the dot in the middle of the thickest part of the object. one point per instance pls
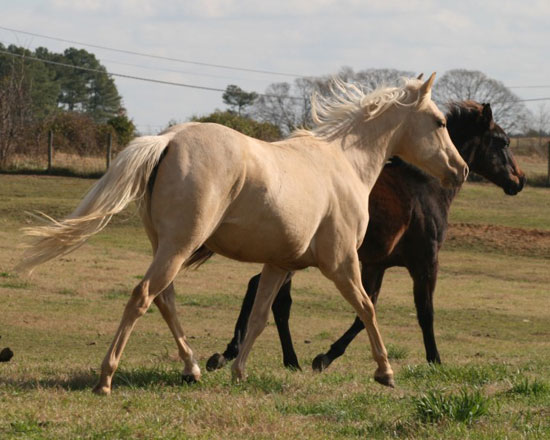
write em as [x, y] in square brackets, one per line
[515, 184]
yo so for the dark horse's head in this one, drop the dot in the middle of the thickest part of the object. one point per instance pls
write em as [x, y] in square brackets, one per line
[484, 145]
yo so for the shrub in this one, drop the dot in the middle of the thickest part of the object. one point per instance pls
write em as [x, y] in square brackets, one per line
[259, 130]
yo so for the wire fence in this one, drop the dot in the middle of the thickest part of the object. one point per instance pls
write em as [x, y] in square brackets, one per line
[532, 154]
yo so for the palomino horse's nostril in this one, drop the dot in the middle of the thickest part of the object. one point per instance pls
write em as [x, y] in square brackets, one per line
[466, 171]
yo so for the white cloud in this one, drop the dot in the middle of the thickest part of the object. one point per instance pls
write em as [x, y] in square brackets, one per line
[505, 39]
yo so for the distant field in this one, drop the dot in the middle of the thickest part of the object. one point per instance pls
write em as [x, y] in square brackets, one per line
[492, 314]
[532, 156]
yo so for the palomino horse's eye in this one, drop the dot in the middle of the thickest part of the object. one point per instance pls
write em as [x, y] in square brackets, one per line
[440, 123]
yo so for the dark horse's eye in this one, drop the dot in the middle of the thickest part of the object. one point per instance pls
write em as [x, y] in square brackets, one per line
[499, 142]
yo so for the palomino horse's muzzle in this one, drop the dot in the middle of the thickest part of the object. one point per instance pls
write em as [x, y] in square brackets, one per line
[456, 177]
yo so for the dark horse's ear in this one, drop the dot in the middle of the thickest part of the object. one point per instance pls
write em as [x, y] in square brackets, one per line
[487, 114]
[420, 76]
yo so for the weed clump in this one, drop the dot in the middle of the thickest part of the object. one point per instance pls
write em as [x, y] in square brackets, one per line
[465, 407]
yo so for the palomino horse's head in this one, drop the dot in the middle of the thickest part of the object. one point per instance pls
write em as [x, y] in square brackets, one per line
[425, 139]
[486, 145]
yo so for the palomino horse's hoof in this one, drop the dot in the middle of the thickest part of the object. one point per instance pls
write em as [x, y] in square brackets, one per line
[216, 361]
[237, 376]
[321, 362]
[101, 390]
[386, 380]
[189, 379]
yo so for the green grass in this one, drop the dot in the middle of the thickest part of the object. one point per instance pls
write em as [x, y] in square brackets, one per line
[396, 352]
[491, 326]
[484, 203]
[425, 375]
[525, 387]
[466, 406]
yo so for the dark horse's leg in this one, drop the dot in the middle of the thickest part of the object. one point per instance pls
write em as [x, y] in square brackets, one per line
[425, 278]
[281, 311]
[218, 360]
[371, 277]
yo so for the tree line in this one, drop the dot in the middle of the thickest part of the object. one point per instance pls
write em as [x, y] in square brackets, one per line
[83, 106]
[80, 106]
[286, 105]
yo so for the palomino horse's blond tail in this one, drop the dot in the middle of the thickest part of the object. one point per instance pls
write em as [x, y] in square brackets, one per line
[125, 181]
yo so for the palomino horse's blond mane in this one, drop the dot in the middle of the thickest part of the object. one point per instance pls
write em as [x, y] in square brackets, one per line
[335, 114]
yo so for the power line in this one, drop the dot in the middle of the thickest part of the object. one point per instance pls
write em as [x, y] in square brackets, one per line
[529, 87]
[158, 69]
[534, 99]
[199, 63]
[123, 75]
[179, 84]
[158, 57]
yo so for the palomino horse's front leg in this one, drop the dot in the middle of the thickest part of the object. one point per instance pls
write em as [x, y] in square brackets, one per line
[271, 280]
[347, 278]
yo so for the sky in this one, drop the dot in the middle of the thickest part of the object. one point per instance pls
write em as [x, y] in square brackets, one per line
[507, 40]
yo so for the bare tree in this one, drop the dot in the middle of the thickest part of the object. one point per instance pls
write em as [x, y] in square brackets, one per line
[541, 122]
[285, 105]
[15, 109]
[289, 105]
[460, 85]
[373, 78]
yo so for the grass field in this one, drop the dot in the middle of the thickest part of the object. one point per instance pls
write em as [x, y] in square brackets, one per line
[492, 324]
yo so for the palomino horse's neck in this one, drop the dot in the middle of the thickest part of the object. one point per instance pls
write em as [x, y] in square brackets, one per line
[368, 147]
[466, 149]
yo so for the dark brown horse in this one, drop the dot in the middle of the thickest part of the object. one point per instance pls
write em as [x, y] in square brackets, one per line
[408, 221]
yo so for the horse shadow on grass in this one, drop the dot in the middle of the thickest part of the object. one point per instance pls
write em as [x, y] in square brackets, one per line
[138, 378]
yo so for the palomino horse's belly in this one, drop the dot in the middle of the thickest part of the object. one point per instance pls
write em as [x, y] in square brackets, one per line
[263, 244]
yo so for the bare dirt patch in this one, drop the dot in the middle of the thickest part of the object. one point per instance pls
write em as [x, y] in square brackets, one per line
[504, 239]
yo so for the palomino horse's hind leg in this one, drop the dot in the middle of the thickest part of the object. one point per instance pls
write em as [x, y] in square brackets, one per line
[270, 282]
[347, 278]
[160, 275]
[167, 306]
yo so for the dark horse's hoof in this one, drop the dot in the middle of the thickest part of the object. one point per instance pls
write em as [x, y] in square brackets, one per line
[292, 366]
[215, 362]
[188, 379]
[6, 354]
[321, 362]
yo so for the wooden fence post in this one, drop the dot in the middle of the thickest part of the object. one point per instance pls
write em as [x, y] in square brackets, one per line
[50, 150]
[109, 149]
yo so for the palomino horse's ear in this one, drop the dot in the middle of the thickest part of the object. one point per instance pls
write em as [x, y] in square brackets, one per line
[427, 86]
[420, 76]
[487, 113]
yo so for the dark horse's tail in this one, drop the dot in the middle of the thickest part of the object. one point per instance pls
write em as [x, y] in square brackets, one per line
[199, 257]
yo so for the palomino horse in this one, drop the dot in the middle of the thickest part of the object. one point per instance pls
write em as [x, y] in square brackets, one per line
[291, 204]
[408, 222]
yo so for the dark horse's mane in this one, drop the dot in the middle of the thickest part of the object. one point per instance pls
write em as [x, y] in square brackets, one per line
[466, 111]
